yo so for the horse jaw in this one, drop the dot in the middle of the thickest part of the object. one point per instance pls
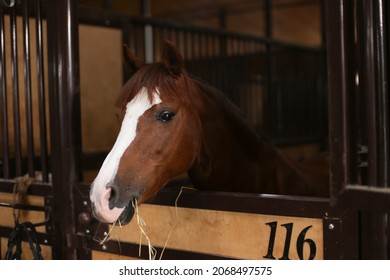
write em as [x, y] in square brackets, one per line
[100, 191]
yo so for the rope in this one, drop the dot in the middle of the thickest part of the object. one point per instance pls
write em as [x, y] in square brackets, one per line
[14, 246]
[19, 193]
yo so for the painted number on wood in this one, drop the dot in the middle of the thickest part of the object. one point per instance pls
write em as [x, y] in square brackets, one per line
[300, 242]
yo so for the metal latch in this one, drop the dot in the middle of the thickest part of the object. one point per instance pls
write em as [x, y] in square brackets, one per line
[362, 156]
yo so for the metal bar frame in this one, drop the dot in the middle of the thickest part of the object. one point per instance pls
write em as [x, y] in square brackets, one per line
[41, 92]
[27, 89]
[351, 118]
[65, 118]
[358, 117]
[4, 100]
[15, 94]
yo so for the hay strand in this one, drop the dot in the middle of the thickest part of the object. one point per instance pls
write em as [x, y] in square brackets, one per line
[143, 229]
[142, 226]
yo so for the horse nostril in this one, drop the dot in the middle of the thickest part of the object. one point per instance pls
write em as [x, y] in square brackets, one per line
[113, 197]
[119, 198]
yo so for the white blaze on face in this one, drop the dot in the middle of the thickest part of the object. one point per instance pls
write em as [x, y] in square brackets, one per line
[100, 193]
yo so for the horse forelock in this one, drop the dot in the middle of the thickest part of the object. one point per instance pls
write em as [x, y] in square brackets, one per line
[155, 77]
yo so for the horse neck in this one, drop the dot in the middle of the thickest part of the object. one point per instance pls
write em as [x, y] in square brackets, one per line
[234, 157]
[231, 152]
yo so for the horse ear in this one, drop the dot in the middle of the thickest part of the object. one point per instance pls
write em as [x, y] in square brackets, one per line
[172, 58]
[132, 62]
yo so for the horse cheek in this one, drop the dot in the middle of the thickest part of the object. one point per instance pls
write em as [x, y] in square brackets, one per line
[185, 152]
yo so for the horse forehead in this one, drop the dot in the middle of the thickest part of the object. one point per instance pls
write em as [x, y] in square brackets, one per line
[142, 100]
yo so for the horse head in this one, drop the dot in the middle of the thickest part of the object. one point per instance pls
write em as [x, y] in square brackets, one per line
[157, 139]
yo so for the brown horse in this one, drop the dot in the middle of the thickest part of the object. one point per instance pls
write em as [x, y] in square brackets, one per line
[173, 123]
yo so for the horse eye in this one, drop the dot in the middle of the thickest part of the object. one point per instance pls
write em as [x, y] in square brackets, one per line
[165, 116]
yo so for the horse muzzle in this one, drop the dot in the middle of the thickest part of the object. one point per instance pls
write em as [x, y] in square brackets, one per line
[123, 216]
[108, 206]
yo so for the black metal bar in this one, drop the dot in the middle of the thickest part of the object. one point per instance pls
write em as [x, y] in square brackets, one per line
[382, 81]
[15, 94]
[373, 90]
[23, 206]
[90, 16]
[27, 90]
[65, 119]
[357, 88]
[268, 30]
[4, 100]
[186, 45]
[373, 80]
[41, 93]
[341, 83]
[367, 85]
[268, 95]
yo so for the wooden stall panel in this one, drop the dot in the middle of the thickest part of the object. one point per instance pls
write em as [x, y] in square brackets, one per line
[96, 255]
[101, 81]
[228, 234]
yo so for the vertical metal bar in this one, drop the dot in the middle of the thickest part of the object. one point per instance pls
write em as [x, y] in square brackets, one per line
[65, 118]
[200, 43]
[107, 5]
[373, 229]
[347, 51]
[135, 38]
[148, 32]
[268, 96]
[208, 46]
[223, 65]
[186, 46]
[15, 94]
[382, 81]
[322, 98]
[156, 41]
[373, 87]
[193, 45]
[3, 100]
[268, 18]
[177, 39]
[41, 92]
[27, 89]
[341, 77]
[222, 13]
[367, 84]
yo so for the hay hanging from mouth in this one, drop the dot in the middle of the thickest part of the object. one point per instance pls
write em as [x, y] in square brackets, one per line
[107, 236]
[143, 229]
[142, 226]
